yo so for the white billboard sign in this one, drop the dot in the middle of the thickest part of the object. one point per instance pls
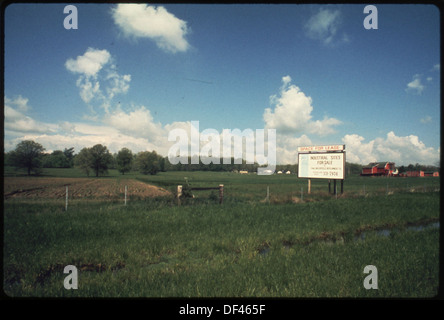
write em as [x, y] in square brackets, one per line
[329, 148]
[322, 165]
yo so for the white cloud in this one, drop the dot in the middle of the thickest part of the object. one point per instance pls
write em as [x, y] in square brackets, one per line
[137, 123]
[67, 127]
[287, 148]
[324, 26]
[88, 89]
[17, 122]
[292, 113]
[137, 130]
[20, 103]
[118, 83]
[426, 119]
[357, 151]
[415, 85]
[156, 23]
[92, 79]
[90, 63]
[436, 67]
[401, 150]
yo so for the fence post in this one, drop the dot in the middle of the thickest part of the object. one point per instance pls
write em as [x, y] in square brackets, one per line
[66, 201]
[179, 194]
[221, 193]
[268, 194]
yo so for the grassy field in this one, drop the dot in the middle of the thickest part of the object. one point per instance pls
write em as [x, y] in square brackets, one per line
[293, 245]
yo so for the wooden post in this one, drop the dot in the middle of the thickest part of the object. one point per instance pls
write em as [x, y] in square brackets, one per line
[309, 186]
[334, 186]
[268, 194]
[221, 193]
[329, 188]
[342, 186]
[179, 194]
[66, 201]
[302, 194]
[336, 192]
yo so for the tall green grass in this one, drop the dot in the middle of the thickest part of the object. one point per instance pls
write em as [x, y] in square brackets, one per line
[240, 249]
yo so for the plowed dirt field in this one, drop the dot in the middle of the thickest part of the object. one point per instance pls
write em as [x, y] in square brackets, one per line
[78, 188]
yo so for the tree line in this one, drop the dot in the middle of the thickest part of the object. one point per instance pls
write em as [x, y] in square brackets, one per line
[97, 160]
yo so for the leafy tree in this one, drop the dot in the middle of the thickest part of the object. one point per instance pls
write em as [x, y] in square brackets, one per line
[100, 159]
[82, 160]
[57, 159]
[28, 155]
[69, 154]
[124, 160]
[96, 158]
[148, 162]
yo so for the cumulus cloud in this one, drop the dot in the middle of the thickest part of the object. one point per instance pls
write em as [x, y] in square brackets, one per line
[324, 26]
[415, 85]
[292, 113]
[401, 150]
[155, 23]
[98, 80]
[90, 63]
[17, 122]
[287, 148]
[137, 123]
[137, 129]
[117, 83]
[357, 150]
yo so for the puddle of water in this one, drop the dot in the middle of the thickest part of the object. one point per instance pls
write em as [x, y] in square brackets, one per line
[388, 232]
[265, 250]
[382, 233]
[423, 227]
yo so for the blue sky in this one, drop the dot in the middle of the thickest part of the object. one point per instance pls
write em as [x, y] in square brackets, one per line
[128, 75]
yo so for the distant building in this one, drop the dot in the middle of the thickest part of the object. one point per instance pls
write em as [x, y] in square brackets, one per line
[379, 169]
[420, 173]
[417, 173]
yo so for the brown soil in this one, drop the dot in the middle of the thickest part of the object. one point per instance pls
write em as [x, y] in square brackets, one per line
[78, 188]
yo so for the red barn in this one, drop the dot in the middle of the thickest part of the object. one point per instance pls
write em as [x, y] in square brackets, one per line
[379, 169]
